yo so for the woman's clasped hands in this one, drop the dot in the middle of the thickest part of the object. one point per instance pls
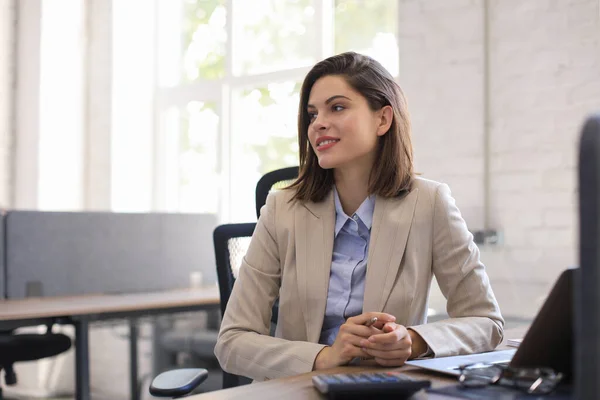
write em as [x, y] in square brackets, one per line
[387, 343]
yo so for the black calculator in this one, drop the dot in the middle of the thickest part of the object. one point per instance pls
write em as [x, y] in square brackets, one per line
[365, 384]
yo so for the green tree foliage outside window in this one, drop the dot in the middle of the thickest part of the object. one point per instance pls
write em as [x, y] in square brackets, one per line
[204, 38]
[283, 32]
[357, 22]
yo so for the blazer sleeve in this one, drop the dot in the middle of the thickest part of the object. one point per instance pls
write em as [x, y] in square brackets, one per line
[475, 323]
[244, 346]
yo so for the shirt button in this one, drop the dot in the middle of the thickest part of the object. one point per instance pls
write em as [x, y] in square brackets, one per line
[355, 217]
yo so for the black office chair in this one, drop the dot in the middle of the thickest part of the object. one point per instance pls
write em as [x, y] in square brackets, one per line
[274, 180]
[269, 182]
[28, 347]
[230, 242]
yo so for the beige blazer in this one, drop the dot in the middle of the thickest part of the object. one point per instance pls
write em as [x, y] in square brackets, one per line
[413, 237]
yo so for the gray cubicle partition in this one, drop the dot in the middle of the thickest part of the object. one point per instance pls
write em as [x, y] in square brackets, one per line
[70, 253]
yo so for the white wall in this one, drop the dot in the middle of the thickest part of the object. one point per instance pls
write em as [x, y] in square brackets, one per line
[6, 97]
[543, 77]
[441, 72]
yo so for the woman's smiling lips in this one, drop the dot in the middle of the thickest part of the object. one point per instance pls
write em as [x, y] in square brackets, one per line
[326, 142]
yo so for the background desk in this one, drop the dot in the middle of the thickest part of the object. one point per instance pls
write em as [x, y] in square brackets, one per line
[300, 387]
[81, 310]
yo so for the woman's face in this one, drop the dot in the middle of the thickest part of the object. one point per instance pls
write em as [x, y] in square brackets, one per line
[343, 130]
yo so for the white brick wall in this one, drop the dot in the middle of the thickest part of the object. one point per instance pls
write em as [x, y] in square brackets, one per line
[6, 82]
[441, 73]
[544, 77]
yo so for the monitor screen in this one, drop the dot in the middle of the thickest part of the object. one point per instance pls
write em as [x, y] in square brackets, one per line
[587, 286]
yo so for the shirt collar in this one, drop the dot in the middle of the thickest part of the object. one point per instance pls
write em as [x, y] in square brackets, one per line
[364, 212]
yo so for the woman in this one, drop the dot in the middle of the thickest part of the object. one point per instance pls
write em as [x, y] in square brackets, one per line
[356, 236]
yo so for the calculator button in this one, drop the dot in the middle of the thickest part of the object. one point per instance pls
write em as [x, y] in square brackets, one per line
[381, 375]
[345, 378]
[330, 379]
[366, 378]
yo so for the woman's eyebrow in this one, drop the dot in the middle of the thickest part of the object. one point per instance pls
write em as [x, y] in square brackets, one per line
[329, 100]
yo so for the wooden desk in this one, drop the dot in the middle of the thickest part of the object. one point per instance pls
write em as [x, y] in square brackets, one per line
[81, 310]
[300, 387]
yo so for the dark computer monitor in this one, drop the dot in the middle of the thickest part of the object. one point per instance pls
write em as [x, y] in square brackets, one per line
[587, 286]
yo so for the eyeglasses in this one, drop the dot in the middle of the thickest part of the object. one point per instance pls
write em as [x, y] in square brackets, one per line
[530, 380]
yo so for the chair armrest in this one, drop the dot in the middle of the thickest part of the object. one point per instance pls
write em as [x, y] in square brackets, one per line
[177, 382]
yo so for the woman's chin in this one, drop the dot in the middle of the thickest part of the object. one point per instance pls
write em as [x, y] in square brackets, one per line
[326, 164]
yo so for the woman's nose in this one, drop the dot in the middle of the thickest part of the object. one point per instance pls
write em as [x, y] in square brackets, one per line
[320, 122]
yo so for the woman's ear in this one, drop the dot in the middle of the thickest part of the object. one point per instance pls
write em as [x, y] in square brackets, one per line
[386, 116]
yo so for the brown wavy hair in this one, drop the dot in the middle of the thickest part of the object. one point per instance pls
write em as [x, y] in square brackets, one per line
[393, 173]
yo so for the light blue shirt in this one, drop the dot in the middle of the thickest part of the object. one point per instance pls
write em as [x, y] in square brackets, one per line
[348, 267]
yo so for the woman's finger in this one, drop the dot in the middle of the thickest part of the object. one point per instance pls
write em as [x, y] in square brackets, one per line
[389, 354]
[360, 330]
[390, 363]
[398, 333]
[399, 345]
[363, 318]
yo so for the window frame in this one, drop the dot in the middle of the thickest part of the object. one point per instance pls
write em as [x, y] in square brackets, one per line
[221, 91]
[97, 187]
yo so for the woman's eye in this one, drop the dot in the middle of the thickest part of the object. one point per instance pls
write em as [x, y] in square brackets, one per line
[338, 108]
[312, 116]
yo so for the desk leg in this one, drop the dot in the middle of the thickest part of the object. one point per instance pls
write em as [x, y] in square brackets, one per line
[82, 360]
[133, 359]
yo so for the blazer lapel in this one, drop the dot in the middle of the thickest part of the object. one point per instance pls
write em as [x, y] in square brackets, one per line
[314, 247]
[392, 219]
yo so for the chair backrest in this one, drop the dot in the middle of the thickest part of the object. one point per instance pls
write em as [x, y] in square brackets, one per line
[273, 180]
[231, 242]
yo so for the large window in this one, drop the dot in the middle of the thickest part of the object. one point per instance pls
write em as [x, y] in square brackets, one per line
[227, 81]
[60, 123]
